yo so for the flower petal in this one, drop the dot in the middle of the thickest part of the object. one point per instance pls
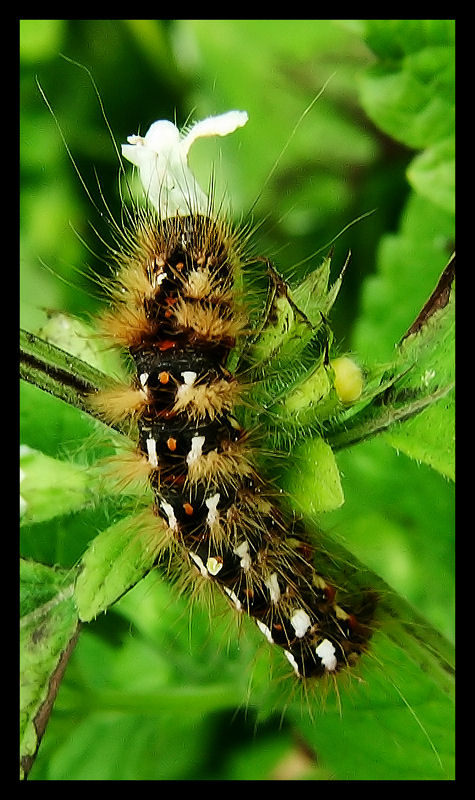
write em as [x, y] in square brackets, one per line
[162, 159]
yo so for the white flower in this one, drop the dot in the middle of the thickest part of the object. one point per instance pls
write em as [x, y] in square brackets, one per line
[162, 158]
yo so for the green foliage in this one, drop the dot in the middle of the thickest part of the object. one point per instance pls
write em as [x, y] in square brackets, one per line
[152, 692]
[115, 561]
[49, 487]
[430, 352]
[48, 625]
[314, 481]
[410, 94]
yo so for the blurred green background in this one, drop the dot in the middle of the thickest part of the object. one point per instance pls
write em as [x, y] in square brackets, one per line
[300, 192]
[337, 166]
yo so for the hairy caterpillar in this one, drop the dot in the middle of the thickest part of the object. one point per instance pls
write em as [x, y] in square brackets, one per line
[241, 643]
[174, 309]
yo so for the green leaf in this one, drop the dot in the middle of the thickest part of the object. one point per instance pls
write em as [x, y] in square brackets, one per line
[432, 174]
[61, 423]
[129, 688]
[288, 356]
[48, 630]
[430, 350]
[116, 560]
[50, 487]
[391, 39]
[316, 484]
[410, 93]
[430, 438]
[313, 296]
[287, 329]
[411, 728]
[409, 264]
[398, 517]
[421, 376]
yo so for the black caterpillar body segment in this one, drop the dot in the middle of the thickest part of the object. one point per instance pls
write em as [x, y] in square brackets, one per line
[174, 309]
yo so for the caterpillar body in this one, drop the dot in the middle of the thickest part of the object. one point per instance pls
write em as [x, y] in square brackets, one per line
[175, 309]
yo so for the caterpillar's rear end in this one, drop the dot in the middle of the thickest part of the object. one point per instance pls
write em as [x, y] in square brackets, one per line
[174, 308]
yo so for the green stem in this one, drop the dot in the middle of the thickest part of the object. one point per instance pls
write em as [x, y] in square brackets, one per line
[61, 374]
[369, 422]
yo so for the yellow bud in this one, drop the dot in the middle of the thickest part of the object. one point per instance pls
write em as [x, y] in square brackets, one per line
[348, 379]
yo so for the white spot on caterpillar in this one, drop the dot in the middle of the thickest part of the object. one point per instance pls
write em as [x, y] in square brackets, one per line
[242, 551]
[326, 652]
[168, 509]
[198, 563]
[300, 622]
[160, 278]
[144, 378]
[292, 660]
[273, 585]
[214, 565]
[197, 443]
[265, 630]
[152, 453]
[213, 513]
[189, 377]
[233, 597]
